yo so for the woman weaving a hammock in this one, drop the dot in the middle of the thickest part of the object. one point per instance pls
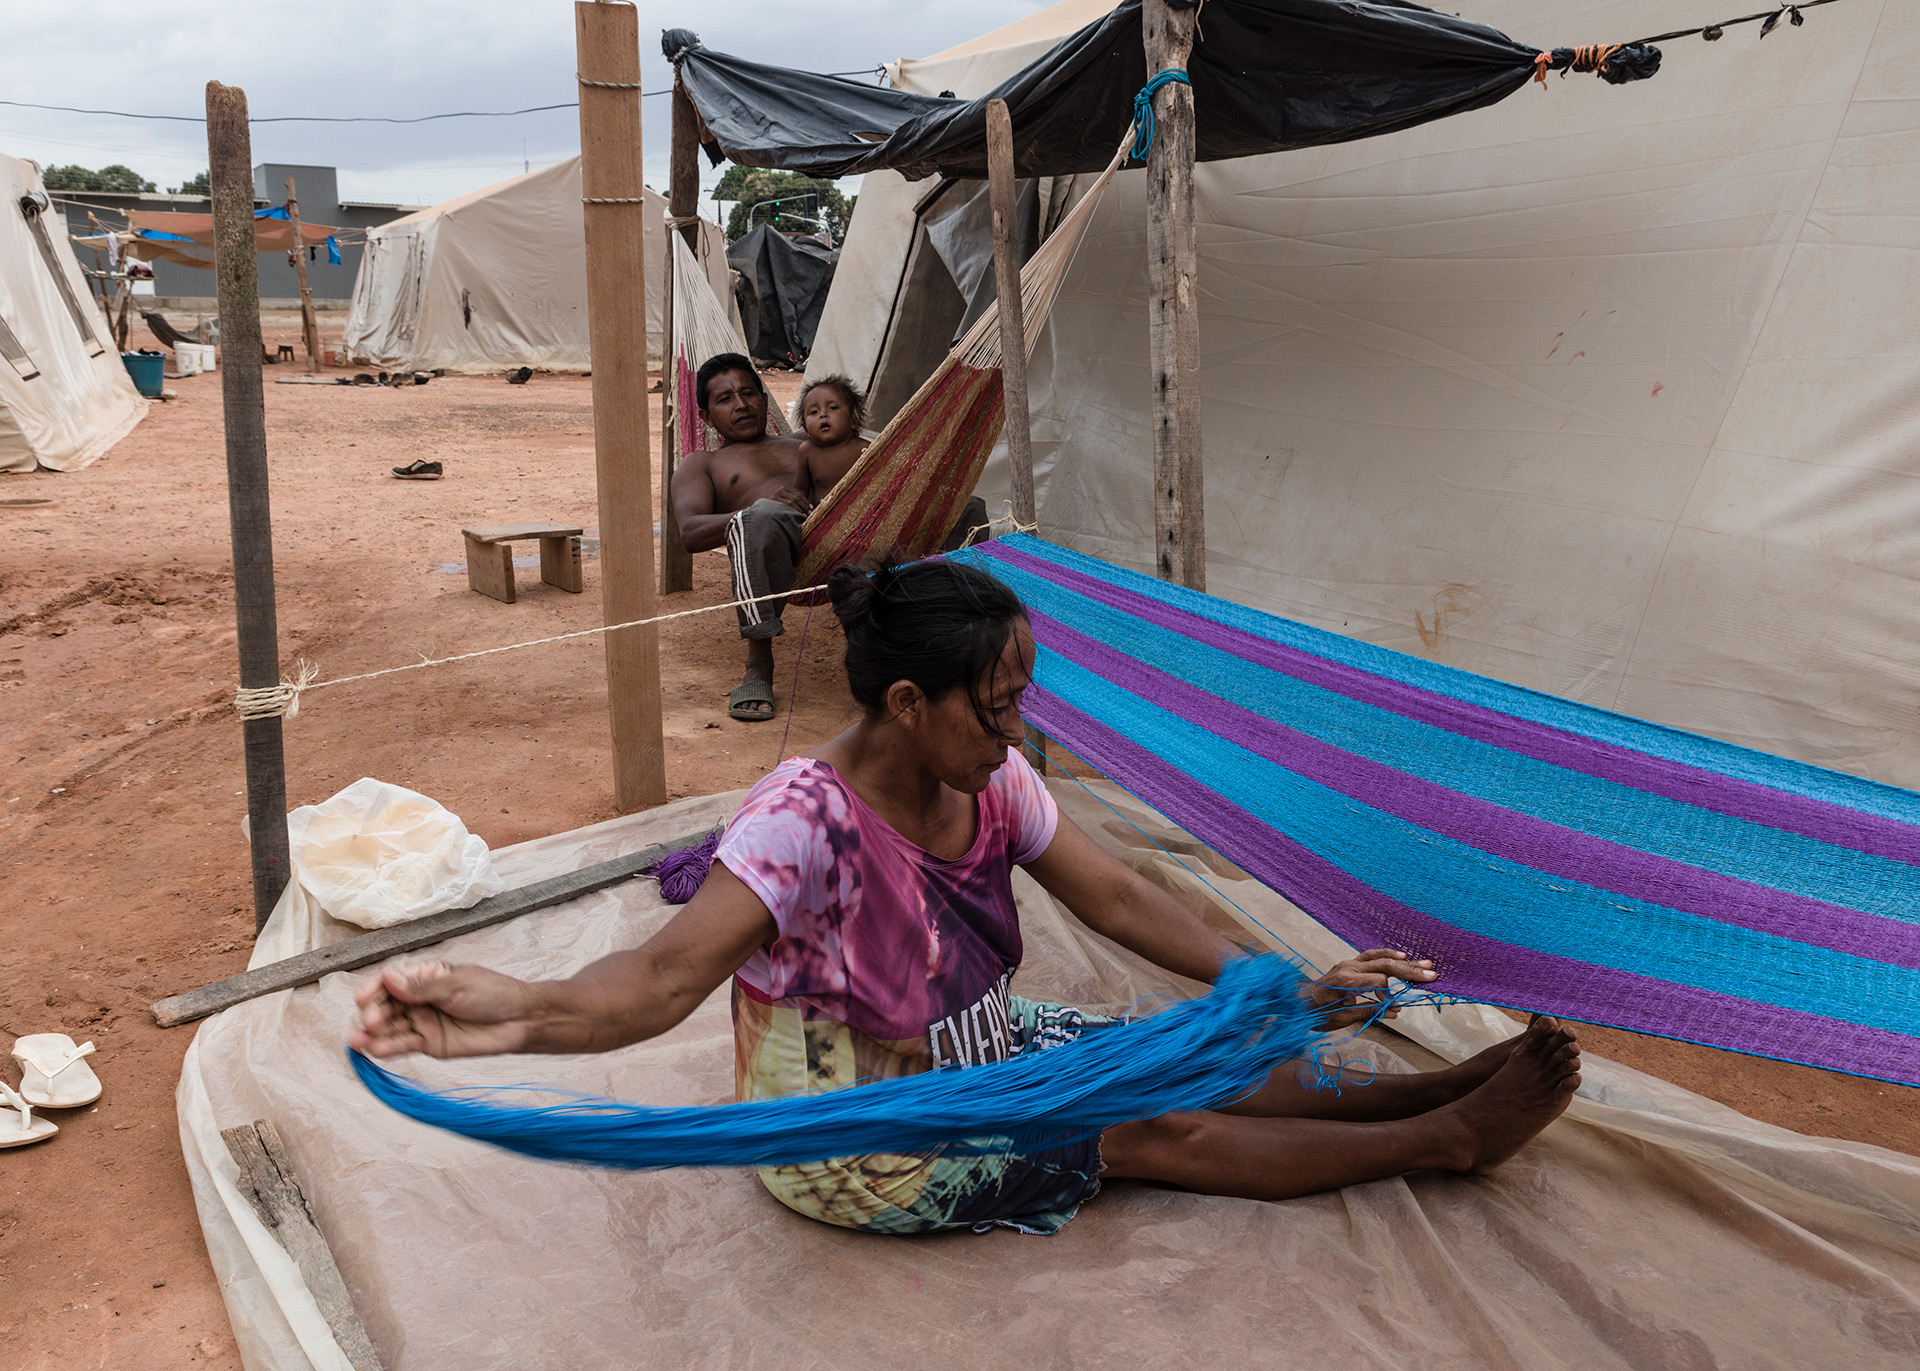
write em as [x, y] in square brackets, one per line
[861, 902]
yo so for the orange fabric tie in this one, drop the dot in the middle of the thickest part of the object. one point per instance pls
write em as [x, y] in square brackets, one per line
[1542, 63]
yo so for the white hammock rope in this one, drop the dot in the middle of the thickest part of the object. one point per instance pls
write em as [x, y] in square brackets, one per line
[283, 700]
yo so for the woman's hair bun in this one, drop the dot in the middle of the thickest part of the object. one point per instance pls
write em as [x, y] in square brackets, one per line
[851, 591]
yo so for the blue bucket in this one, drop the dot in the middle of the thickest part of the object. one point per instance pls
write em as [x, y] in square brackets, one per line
[146, 370]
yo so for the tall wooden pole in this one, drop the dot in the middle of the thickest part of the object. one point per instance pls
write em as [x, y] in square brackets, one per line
[1016, 428]
[608, 40]
[683, 203]
[309, 326]
[1173, 307]
[237, 273]
[1013, 315]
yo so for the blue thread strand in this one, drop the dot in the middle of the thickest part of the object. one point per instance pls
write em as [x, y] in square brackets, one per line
[1143, 121]
[1195, 1054]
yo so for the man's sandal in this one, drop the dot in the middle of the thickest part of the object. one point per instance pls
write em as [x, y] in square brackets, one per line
[18, 1127]
[751, 693]
[52, 1072]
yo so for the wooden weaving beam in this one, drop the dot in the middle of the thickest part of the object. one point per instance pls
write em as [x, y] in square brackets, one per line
[267, 1180]
[383, 943]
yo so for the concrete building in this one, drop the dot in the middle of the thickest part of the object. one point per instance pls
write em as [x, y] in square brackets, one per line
[181, 287]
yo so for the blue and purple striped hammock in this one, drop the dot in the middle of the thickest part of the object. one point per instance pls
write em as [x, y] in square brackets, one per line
[1547, 855]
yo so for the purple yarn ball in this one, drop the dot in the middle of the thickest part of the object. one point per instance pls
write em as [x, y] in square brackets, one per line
[681, 873]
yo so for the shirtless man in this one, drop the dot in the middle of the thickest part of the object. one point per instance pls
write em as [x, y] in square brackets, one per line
[748, 495]
[832, 409]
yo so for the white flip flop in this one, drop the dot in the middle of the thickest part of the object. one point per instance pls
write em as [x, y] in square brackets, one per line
[18, 1131]
[52, 1074]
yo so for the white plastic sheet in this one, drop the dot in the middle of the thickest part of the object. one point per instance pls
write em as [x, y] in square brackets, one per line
[1648, 1228]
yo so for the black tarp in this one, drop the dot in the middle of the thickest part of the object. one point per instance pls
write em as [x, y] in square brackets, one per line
[787, 281]
[1267, 75]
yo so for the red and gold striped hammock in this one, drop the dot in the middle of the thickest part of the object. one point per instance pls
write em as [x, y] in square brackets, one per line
[909, 487]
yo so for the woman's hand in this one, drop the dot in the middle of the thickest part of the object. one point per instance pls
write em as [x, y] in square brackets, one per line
[625, 997]
[443, 1011]
[1343, 993]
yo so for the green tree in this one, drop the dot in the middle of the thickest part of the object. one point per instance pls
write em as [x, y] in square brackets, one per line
[115, 177]
[194, 185]
[749, 187]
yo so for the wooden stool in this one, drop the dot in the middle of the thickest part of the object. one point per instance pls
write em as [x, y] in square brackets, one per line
[490, 557]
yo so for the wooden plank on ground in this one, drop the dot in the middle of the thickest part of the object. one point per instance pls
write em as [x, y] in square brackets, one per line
[507, 533]
[267, 1180]
[383, 943]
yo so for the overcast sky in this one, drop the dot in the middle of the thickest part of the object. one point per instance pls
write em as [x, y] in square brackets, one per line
[399, 59]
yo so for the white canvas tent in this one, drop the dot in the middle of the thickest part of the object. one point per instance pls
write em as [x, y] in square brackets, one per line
[1605, 392]
[498, 279]
[65, 398]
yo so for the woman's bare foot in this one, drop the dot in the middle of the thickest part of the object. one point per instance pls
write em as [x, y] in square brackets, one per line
[1525, 1093]
[1463, 1078]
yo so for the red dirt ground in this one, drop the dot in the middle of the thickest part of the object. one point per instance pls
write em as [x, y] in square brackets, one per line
[123, 871]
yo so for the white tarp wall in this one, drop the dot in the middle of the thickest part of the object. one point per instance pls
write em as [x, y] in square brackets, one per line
[498, 279]
[1609, 392]
[65, 397]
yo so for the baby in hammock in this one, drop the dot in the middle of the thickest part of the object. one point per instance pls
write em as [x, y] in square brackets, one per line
[831, 410]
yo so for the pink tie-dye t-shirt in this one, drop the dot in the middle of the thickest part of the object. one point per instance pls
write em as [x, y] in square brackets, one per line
[889, 960]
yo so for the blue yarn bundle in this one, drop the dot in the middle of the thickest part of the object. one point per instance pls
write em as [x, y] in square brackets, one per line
[1194, 1054]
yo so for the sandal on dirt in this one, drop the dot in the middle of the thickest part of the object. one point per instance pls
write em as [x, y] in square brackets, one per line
[52, 1074]
[420, 470]
[18, 1127]
[751, 693]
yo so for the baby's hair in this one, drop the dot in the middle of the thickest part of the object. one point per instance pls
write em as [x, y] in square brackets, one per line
[856, 402]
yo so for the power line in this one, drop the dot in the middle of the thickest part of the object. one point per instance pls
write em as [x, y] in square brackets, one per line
[316, 118]
[367, 118]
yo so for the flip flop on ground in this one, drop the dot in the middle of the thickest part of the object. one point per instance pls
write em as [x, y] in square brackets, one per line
[18, 1127]
[751, 702]
[418, 471]
[53, 1074]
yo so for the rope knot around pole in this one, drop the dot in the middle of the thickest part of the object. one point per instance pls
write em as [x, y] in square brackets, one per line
[280, 701]
[607, 85]
[1143, 122]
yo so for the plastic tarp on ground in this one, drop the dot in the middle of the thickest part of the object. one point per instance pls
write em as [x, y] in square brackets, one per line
[498, 279]
[1605, 393]
[1648, 1228]
[1269, 74]
[791, 277]
[65, 397]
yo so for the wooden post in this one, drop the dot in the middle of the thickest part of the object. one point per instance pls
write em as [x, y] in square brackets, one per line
[1013, 314]
[1017, 427]
[608, 40]
[683, 202]
[309, 327]
[237, 273]
[1173, 308]
[126, 298]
